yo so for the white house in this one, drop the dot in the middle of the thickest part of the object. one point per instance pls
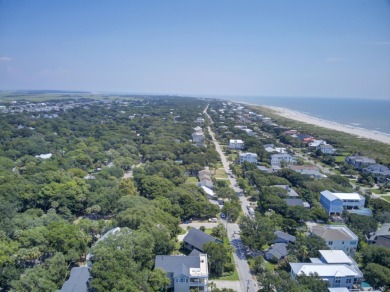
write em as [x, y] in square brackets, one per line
[338, 237]
[276, 159]
[334, 267]
[185, 272]
[316, 143]
[326, 149]
[236, 144]
[248, 156]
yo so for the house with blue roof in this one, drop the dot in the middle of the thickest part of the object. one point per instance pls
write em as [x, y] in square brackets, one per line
[335, 203]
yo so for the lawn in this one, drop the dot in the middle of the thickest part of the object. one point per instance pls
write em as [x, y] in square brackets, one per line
[339, 159]
[270, 266]
[232, 277]
[387, 198]
[192, 180]
[220, 174]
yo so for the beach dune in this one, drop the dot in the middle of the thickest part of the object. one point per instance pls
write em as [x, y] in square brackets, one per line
[360, 132]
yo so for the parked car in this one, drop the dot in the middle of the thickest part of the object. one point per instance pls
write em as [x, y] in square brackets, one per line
[213, 220]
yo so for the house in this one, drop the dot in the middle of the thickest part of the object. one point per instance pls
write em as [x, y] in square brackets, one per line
[248, 157]
[335, 203]
[290, 192]
[326, 149]
[297, 202]
[195, 239]
[204, 177]
[305, 138]
[315, 143]
[334, 267]
[249, 132]
[337, 237]
[198, 129]
[44, 156]
[236, 144]
[206, 183]
[291, 132]
[200, 120]
[78, 280]
[185, 272]
[209, 192]
[359, 162]
[282, 237]
[379, 171]
[198, 138]
[271, 148]
[309, 170]
[276, 252]
[276, 159]
[381, 236]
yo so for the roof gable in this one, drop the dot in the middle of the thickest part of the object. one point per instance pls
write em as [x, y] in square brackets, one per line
[198, 238]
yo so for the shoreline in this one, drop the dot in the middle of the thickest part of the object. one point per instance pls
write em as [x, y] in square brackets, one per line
[301, 117]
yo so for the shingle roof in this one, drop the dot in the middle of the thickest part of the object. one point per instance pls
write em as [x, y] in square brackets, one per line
[278, 250]
[294, 202]
[285, 236]
[77, 281]
[178, 265]
[328, 233]
[383, 231]
[198, 238]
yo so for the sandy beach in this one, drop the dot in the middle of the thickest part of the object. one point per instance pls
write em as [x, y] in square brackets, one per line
[360, 132]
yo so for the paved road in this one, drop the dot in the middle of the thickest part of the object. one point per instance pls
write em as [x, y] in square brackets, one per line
[246, 281]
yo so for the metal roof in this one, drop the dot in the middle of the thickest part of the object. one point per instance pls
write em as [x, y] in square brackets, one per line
[323, 270]
[335, 257]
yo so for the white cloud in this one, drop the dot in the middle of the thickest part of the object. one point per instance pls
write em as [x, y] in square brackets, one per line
[5, 59]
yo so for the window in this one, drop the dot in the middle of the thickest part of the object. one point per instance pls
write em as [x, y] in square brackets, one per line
[330, 242]
[349, 281]
[337, 281]
[353, 243]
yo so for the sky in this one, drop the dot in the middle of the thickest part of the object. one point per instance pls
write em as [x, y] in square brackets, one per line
[322, 48]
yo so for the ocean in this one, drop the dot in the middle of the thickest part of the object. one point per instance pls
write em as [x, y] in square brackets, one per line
[373, 114]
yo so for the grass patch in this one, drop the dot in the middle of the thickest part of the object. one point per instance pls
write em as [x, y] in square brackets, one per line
[220, 174]
[232, 277]
[192, 180]
[375, 191]
[339, 159]
[387, 198]
[270, 267]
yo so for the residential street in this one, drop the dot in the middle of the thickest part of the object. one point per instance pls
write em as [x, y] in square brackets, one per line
[246, 281]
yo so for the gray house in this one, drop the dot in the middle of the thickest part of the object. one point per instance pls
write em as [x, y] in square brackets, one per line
[359, 162]
[185, 272]
[276, 252]
[195, 239]
[380, 172]
[381, 236]
[282, 237]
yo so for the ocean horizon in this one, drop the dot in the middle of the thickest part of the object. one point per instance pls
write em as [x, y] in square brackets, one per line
[370, 114]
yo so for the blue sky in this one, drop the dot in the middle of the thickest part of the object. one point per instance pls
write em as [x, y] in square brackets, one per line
[328, 48]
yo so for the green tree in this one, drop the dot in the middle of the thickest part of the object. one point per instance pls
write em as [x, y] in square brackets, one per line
[218, 257]
[255, 233]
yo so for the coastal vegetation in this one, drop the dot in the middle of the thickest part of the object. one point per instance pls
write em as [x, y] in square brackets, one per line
[72, 173]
